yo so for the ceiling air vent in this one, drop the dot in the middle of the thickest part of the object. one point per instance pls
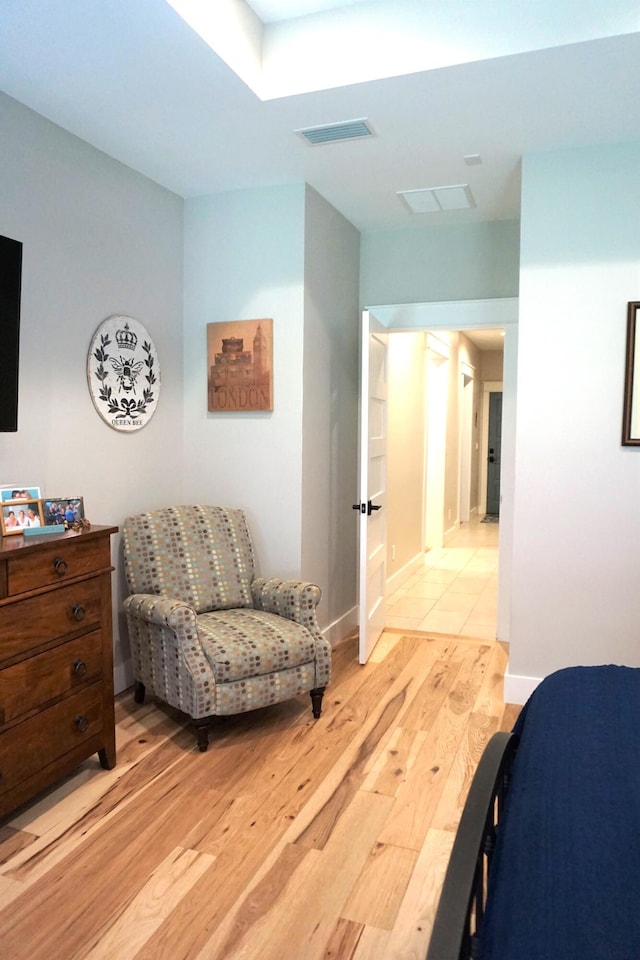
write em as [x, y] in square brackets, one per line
[332, 132]
[436, 199]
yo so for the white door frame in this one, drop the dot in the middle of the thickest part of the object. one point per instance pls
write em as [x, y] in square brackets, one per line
[490, 314]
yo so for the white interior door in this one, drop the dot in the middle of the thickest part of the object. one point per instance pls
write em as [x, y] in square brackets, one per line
[488, 387]
[373, 472]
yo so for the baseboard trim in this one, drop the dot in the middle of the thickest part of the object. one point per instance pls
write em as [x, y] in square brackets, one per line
[450, 533]
[401, 576]
[342, 627]
[519, 689]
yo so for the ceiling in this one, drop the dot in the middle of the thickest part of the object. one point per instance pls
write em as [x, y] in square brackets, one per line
[486, 339]
[275, 11]
[134, 80]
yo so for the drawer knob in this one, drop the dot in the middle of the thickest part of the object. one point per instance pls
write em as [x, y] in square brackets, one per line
[78, 611]
[79, 667]
[60, 566]
[82, 724]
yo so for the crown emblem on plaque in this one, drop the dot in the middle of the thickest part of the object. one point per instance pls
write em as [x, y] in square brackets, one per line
[126, 339]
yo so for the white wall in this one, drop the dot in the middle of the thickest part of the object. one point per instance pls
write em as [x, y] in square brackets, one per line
[461, 350]
[330, 411]
[473, 262]
[98, 239]
[405, 452]
[407, 487]
[491, 364]
[244, 259]
[283, 253]
[576, 562]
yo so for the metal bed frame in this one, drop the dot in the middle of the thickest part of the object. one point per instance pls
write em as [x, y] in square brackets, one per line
[460, 912]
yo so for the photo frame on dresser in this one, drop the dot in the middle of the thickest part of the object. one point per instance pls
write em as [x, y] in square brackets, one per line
[19, 491]
[17, 515]
[62, 510]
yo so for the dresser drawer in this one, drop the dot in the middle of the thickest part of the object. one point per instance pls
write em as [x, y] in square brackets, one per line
[30, 683]
[40, 741]
[56, 563]
[30, 623]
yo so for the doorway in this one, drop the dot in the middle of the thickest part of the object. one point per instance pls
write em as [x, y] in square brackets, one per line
[439, 319]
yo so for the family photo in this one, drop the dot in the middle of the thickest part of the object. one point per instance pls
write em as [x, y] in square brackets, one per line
[63, 511]
[19, 493]
[18, 515]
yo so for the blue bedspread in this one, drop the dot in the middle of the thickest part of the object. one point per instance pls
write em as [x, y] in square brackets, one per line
[565, 880]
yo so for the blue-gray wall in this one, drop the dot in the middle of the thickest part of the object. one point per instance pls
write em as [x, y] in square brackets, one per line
[576, 563]
[98, 239]
[424, 264]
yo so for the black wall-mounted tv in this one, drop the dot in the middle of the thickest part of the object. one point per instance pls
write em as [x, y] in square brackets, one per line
[10, 284]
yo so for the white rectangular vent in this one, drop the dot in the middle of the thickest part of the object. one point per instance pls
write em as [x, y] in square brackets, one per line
[436, 199]
[332, 132]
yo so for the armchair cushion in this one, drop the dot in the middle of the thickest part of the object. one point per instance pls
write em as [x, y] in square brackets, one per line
[249, 643]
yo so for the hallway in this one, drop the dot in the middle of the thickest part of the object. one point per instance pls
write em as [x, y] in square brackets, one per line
[456, 593]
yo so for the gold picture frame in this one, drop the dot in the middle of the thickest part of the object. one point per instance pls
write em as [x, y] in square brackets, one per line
[240, 366]
[17, 515]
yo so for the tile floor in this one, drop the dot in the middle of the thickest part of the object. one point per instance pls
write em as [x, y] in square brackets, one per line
[456, 593]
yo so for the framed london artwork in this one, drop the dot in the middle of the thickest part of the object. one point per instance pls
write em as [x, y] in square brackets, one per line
[240, 366]
[631, 409]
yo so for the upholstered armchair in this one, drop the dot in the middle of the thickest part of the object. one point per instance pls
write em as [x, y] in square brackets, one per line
[207, 636]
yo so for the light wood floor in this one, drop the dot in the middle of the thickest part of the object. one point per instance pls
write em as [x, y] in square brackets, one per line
[290, 838]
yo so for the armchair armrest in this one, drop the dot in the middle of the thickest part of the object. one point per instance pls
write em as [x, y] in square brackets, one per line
[167, 652]
[293, 599]
[162, 611]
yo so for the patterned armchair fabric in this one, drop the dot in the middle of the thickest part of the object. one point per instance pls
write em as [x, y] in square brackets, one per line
[206, 636]
[203, 555]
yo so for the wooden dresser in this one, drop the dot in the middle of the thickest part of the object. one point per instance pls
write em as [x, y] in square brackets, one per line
[56, 659]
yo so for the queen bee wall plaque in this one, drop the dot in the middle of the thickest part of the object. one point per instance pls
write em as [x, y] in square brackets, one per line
[123, 373]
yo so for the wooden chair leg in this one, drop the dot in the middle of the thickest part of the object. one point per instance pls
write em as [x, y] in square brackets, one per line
[316, 701]
[202, 733]
[138, 691]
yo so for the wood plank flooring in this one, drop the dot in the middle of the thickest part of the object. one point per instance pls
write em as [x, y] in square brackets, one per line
[290, 838]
